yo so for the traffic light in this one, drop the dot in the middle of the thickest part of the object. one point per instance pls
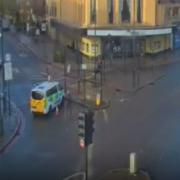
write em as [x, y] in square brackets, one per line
[85, 128]
[81, 125]
[89, 129]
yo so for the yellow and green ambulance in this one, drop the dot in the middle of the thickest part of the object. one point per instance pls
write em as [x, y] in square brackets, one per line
[46, 96]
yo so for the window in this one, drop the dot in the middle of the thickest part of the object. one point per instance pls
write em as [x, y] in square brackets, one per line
[175, 11]
[51, 91]
[37, 95]
[83, 45]
[110, 11]
[93, 11]
[53, 11]
[94, 48]
[125, 10]
[139, 10]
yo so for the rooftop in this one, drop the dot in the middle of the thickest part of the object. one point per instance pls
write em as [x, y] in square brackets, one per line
[45, 86]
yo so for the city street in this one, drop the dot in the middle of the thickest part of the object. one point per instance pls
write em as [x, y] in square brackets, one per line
[146, 122]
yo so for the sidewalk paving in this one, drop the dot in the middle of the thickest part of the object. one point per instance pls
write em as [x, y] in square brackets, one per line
[12, 124]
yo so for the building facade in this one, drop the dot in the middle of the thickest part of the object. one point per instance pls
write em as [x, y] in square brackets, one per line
[100, 26]
[35, 7]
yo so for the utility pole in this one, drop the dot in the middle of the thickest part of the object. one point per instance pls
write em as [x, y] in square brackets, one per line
[98, 66]
[2, 98]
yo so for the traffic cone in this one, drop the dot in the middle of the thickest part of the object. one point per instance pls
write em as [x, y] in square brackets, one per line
[57, 111]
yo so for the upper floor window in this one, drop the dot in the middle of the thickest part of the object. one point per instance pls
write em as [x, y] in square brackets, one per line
[110, 4]
[139, 10]
[93, 11]
[53, 10]
[175, 11]
[172, 12]
[125, 10]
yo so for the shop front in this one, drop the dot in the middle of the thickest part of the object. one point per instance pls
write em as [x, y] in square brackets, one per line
[119, 47]
[120, 42]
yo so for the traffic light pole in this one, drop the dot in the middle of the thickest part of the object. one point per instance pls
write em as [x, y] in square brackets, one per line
[86, 162]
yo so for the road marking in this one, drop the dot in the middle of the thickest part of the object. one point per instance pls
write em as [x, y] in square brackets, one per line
[23, 55]
[44, 73]
[16, 70]
[122, 100]
[76, 175]
[90, 157]
[105, 114]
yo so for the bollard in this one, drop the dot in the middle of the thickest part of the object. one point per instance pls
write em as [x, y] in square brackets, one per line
[98, 100]
[133, 163]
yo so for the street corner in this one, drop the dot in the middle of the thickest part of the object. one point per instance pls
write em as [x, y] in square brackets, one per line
[93, 104]
[105, 104]
[13, 125]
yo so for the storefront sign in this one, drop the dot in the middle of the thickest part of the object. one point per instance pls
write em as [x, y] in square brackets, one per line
[128, 33]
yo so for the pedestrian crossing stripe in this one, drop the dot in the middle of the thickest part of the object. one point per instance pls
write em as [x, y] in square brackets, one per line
[16, 70]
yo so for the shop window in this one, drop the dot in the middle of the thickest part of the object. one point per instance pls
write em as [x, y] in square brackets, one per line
[157, 45]
[94, 48]
[110, 11]
[83, 45]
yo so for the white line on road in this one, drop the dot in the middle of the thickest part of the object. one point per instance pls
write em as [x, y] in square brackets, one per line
[105, 114]
[122, 100]
[23, 55]
[16, 70]
[90, 157]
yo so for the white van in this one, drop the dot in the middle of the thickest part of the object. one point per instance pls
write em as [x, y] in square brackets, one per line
[46, 96]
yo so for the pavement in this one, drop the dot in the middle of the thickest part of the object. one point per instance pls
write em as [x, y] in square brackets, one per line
[124, 174]
[13, 124]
